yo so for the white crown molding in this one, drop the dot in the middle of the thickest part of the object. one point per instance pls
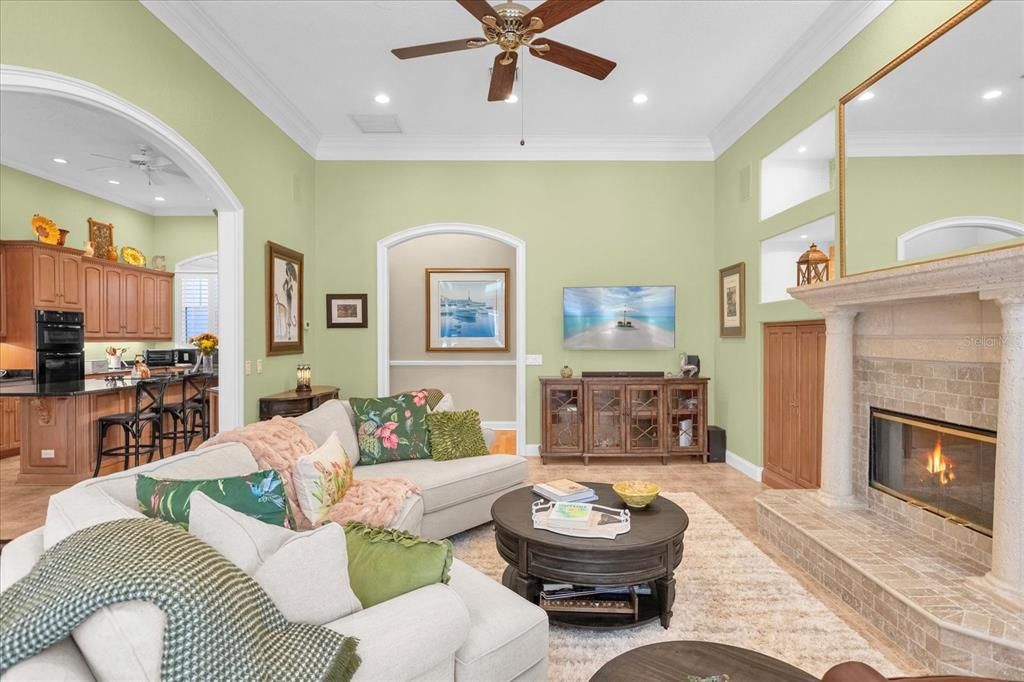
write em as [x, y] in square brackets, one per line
[189, 22]
[833, 29]
[104, 193]
[401, 147]
[901, 143]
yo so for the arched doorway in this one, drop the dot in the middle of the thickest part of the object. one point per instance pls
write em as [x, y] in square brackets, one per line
[230, 216]
[519, 279]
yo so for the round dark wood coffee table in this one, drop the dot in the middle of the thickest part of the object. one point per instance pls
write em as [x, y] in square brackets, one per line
[673, 661]
[647, 554]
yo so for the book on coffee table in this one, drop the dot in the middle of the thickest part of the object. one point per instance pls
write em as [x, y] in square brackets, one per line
[564, 490]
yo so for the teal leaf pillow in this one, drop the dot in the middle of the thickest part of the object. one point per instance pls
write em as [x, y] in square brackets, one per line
[393, 428]
[454, 435]
[260, 495]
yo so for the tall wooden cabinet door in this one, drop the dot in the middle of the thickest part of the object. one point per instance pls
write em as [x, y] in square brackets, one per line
[147, 305]
[780, 423]
[165, 308]
[562, 425]
[645, 406]
[47, 272]
[70, 281]
[92, 285]
[606, 418]
[132, 303]
[811, 391]
[113, 302]
[10, 424]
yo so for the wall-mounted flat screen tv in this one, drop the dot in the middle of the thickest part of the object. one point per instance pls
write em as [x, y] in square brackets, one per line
[619, 318]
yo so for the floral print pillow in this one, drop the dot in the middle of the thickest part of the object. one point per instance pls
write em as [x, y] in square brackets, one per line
[321, 479]
[259, 495]
[393, 428]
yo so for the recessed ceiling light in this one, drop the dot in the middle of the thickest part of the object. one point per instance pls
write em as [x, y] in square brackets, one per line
[639, 98]
[804, 236]
[382, 99]
[512, 99]
[159, 199]
[57, 159]
[866, 96]
[114, 182]
[992, 94]
[802, 149]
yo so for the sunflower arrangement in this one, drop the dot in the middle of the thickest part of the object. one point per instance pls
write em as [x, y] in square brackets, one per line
[205, 342]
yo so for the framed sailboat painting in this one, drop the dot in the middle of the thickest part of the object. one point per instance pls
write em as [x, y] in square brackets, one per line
[467, 309]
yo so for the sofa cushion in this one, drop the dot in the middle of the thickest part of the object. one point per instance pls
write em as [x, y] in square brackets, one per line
[334, 416]
[392, 428]
[259, 494]
[321, 479]
[507, 634]
[384, 563]
[305, 574]
[454, 435]
[78, 508]
[443, 484]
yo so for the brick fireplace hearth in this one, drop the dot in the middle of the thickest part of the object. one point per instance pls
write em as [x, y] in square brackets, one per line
[943, 343]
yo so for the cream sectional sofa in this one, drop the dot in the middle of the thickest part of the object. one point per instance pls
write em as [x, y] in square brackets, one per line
[471, 629]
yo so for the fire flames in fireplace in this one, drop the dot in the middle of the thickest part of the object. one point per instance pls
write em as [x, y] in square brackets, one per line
[938, 464]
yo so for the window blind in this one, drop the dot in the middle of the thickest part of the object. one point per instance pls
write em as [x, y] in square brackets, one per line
[197, 304]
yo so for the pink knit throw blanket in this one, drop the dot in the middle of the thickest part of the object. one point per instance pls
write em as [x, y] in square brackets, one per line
[279, 443]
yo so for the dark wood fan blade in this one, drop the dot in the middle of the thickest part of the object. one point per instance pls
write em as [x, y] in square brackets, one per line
[503, 77]
[554, 12]
[435, 48]
[479, 8]
[573, 58]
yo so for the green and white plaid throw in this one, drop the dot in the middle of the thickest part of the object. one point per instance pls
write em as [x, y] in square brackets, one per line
[221, 625]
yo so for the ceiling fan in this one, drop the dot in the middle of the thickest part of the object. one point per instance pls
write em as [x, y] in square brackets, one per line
[510, 26]
[143, 161]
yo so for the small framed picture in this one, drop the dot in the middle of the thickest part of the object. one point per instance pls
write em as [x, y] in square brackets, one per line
[346, 311]
[732, 303]
[467, 309]
[284, 300]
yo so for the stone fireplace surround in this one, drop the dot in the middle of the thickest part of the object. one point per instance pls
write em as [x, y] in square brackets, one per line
[941, 339]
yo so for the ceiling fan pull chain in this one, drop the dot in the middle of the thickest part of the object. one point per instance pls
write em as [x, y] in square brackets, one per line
[522, 104]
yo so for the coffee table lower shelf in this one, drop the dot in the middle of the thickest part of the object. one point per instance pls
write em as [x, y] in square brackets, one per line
[648, 611]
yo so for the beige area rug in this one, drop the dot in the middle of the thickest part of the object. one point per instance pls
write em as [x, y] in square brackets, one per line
[727, 590]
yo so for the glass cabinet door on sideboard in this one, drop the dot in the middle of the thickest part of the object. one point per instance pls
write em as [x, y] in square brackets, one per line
[605, 427]
[644, 432]
[563, 424]
[686, 410]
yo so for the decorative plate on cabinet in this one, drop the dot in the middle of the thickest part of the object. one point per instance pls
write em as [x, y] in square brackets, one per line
[132, 256]
[45, 229]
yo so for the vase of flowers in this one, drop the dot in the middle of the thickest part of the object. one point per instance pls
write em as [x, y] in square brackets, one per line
[206, 343]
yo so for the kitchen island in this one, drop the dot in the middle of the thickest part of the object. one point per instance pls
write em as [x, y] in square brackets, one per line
[59, 424]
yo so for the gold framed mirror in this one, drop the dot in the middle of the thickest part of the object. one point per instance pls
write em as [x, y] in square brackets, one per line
[931, 146]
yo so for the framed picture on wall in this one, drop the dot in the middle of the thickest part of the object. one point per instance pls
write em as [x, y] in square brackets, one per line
[285, 290]
[467, 309]
[732, 300]
[102, 237]
[346, 311]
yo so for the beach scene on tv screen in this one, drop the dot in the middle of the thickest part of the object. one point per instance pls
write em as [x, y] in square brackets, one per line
[619, 318]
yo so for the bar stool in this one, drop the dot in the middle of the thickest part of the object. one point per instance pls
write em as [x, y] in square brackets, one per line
[191, 414]
[149, 399]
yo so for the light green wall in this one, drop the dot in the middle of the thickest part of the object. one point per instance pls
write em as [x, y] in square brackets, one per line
[180, 237]
[120, 46]
[886, 196]
[585, 224]
[738, 231]
[22, 195]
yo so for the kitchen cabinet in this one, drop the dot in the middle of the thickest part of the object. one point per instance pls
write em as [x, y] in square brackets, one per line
[57, 278]
[147, 313]
[10, 426]
[164, 307]
[92, 282]
[3, 293]
[132, 313]
[112, 295]
[132, 302]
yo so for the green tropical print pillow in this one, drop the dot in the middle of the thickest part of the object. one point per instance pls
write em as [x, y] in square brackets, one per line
[454, 435]
[393, 428]
[260, 495]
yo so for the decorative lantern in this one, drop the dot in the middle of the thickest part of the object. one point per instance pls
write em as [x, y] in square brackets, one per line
[812, 266]
[302, 379]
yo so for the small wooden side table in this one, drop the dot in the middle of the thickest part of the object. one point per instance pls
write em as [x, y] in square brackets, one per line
[293, 403]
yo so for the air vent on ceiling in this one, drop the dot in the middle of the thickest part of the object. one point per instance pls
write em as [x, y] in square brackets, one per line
[376, 123]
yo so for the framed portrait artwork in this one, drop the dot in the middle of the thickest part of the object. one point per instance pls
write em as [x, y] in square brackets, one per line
[285, 290]
[346, 311]
[732, 303]
[467, 309]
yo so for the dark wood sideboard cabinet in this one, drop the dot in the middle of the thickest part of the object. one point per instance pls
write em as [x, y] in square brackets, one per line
[624, 417]
[294, 403]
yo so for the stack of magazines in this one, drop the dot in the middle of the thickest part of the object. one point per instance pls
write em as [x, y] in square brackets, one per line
[564, 490]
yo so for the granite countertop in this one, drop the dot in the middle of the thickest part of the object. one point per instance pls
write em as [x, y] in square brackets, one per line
[29, 389]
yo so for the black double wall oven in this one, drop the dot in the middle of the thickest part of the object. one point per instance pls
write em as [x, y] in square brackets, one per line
[60, 346]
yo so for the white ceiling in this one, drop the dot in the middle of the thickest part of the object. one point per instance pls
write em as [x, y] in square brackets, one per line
[710, 68]
[932, 104]
[35, 129]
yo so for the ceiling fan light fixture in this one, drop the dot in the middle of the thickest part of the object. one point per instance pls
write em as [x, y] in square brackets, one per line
[639, 98]
[381, 98]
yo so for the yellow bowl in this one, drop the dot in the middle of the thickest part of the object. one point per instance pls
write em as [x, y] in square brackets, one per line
[636, 494]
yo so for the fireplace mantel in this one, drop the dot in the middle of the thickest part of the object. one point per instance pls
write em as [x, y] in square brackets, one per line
[988, 273]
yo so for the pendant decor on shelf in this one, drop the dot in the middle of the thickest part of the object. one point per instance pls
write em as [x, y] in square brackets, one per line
[812, 266]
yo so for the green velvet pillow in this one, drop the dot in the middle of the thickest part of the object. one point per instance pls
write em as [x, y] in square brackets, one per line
[384, 563]
[393, 428]
[260, 495]
[454, 435]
